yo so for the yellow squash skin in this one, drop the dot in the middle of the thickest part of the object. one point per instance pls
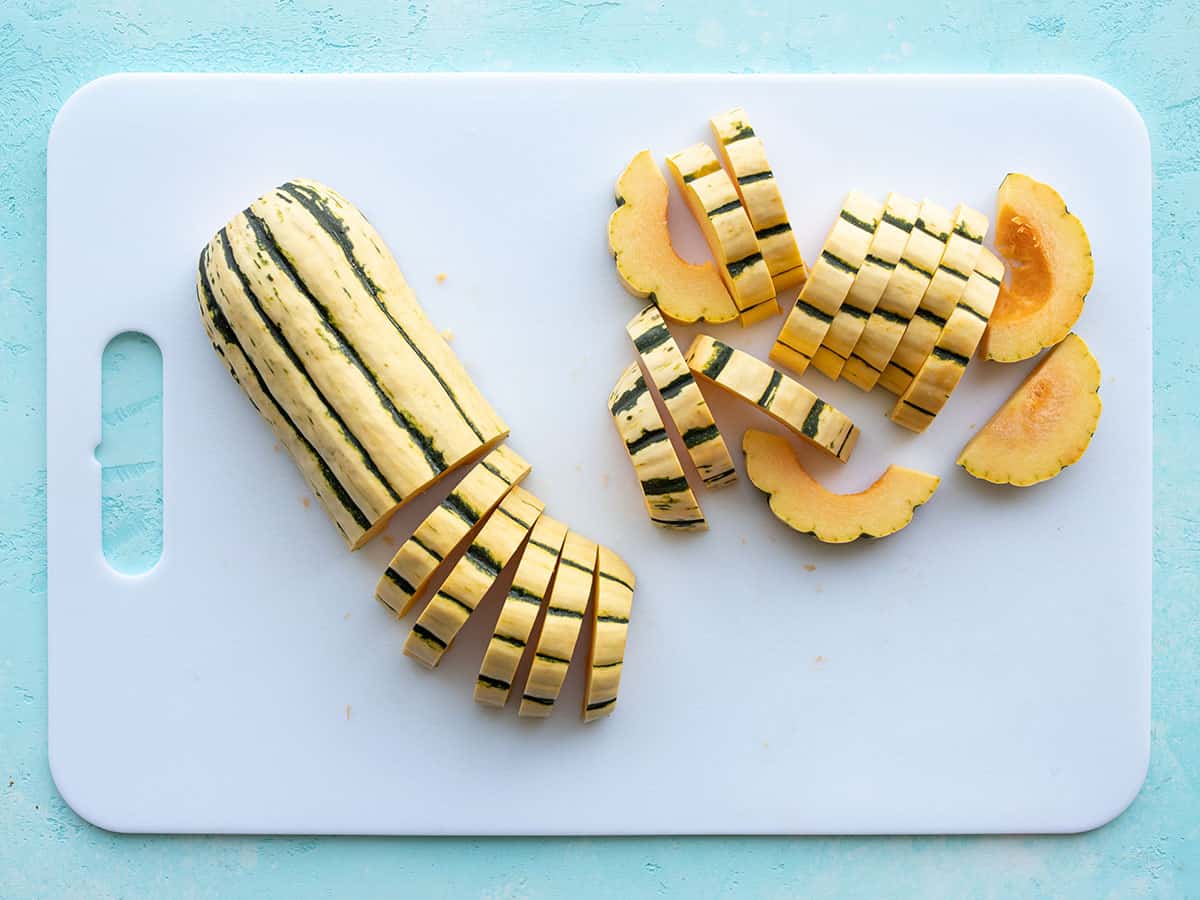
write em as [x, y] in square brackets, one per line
[681, 395]
[1045, 426]
[798, 500]
[883, 255]
[532, 581]
[829, 282]
[718, 210]
[746, 158]
[927, 394]
[649, 267]
[367, 396]
[782, 398]
[941, 297]
[574, 584]
[448, 527]
[473, 574]
[927, 237]
[615, 584]
[1050, 270]
[670, 502]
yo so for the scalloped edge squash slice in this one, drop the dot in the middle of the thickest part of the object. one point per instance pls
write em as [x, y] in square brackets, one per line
[1045, 426]
[798, 500]
[649, 267]
[1050, 270]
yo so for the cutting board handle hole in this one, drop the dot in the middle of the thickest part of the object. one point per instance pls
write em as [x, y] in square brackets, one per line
[130, 453]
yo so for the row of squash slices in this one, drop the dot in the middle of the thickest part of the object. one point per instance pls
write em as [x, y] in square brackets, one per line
[901, 296]
[311, 315]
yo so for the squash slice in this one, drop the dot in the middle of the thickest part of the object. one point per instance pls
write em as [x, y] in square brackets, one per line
[669, 499]
[746, 157]
[524, 599]
[891, 236]
[719, 212]
[1050, 270]
[802, 503]
[610, 626]
[832, 276]
[926, 394]
[1045, 426]
[574, 584]
[681, 395]
[783, 399]
[448, 527]
[647, 262]
[501, 537]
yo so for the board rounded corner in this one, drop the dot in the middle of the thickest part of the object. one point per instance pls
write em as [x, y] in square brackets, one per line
[77, 800]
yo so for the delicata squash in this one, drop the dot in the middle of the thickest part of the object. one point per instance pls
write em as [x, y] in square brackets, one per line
[300, 296]
[1050, 270]
[647, 262]
[801, 502]
[1045, 426]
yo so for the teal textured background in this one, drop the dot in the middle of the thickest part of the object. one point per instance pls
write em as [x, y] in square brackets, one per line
[49, 48]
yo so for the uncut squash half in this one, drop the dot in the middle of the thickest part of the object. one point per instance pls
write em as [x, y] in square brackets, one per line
[1045, 426]
[799, 501]
[1050, 270]
[647, 262]
[309, 311]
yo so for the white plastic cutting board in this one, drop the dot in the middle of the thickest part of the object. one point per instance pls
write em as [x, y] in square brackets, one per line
[985, 670]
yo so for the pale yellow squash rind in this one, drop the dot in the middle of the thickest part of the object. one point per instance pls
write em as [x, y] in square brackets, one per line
[615, 584]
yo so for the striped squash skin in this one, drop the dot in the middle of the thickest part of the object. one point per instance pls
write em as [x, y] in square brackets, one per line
[746, 158]
[941, 297]
[829, 281]
[681, 395]
[647, 263]
[342, 509]
[320, 310]
[669, 499]
[615, 584]
[568, 601]
[718, 210]
[447, 528]
[535, 574]
[901, 298]
[869, 284]
[782, 398]
[473, 574]
[925, 397]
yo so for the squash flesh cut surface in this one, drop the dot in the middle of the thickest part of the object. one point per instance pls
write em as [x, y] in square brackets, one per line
[647, 263]
[1047, 423]
[1050, 270]
[802, 503]
[681, 395]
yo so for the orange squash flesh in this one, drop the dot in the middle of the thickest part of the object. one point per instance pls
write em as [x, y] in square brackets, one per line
[1045, 426]
[800, 501]
[1050, 270]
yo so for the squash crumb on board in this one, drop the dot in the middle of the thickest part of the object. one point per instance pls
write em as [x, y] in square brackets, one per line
[347, 712]
[346, 616]
[448, 335]
[277, 447]
[388, 539]
[742, 539]
[820, 590]
[809, 567]
[604, 479]
[819, 660]
[305, 501]
[440, 277]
